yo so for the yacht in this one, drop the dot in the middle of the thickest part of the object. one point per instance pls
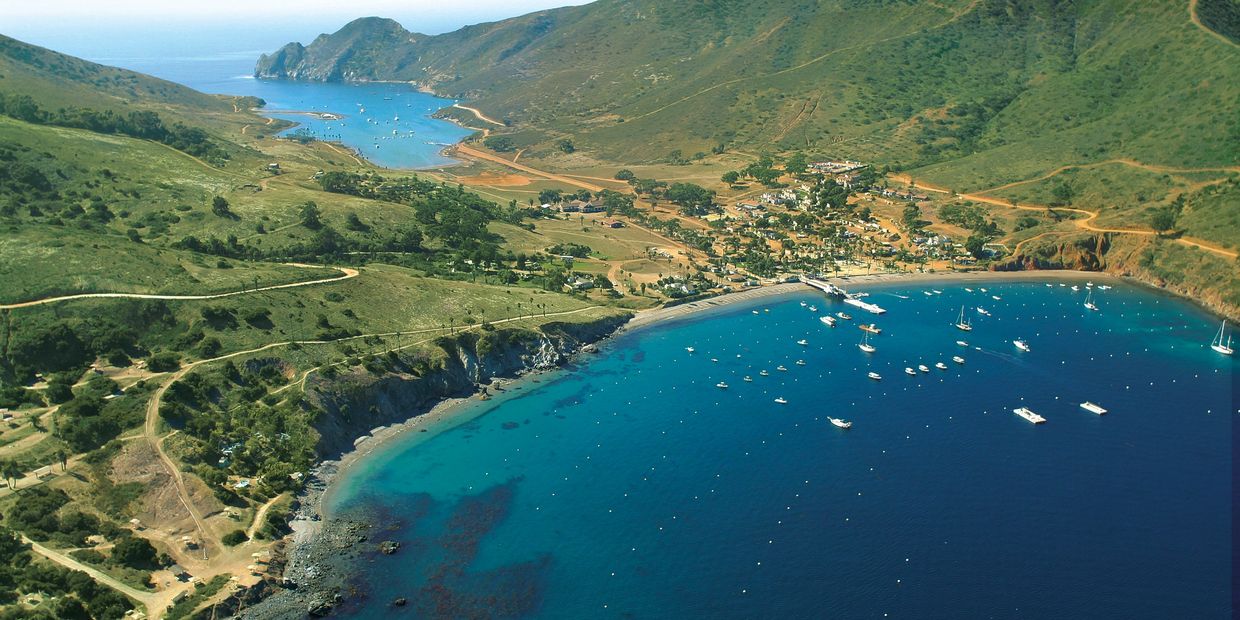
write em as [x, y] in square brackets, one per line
[872, 328]
[690, 349]
[1075, 287]
[803, 304]
[1093, 408]
[1089, 301]
[865, 343]
[910, 371]
[1218, 345]
[764, 373]
[748, 379]
[967, 289]
[937, 291]
[1021, 344]
[781, 368]
[843, 315]
[840, 423]
[813, 308]
[1103, 287]
[962, 343]
[940, 365]
[983, 312]
[721, 385]
[927, 293]
[957, 359]
[982, 290]
[996, 297]
[800, 362]
[828, 321]
[962, 324]
[1028, 414]
[754, 311]
[923, 368]
[781, 400]
[803, 342]
[875, 376]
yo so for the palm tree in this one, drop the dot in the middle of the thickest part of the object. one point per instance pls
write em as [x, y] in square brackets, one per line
[11, 473]
[63, 457]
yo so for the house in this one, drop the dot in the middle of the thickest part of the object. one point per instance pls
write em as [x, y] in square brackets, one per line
[178, 572]
[572, 207]
[593, 206]
[612, 224]
[578, 283]
[567, 260]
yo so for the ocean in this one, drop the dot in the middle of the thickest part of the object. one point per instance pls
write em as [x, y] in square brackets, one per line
[387, 123]
[630, 485]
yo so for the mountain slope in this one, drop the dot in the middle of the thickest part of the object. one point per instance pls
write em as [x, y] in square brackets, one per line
[909, 84]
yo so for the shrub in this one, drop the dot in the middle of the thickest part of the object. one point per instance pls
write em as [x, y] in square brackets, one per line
[234, 538]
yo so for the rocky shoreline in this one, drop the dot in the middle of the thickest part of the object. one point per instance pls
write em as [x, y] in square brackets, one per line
[313, 582]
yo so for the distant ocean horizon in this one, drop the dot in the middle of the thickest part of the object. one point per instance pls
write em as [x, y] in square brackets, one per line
[632, 485]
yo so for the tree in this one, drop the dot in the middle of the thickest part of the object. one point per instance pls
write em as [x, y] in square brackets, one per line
[501, 144]
[311, 216]
[911, 216]
[796, 163]
[730, 177]
[1062, 194]
[624, 174]
[566, 145]
[1163, 220]
[219, 206]
[134, 552]
[11, 473]
[976, 245]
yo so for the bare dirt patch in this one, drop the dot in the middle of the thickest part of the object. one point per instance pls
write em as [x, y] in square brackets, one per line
[496, 180]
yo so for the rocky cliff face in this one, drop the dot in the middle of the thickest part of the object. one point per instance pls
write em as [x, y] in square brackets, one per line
[1149, 260]
[365, 49]
[352, 404]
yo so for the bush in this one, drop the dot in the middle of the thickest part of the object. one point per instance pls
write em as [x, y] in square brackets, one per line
[163, 362]
[234, 538]
[134, 552]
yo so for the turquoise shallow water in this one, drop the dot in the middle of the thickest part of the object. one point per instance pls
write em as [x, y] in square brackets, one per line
[389, 124]
[631, 486]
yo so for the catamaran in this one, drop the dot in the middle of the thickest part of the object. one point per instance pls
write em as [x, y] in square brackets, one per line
[962, 324]
[840, 423]
[1028, 414]
[1218, 345]
[1093, 408]
[1089, 301]
[865, 343]
[1021, 344]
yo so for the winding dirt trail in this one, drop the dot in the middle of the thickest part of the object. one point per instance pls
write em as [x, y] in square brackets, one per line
[1085, 224]
[1110, 162]
[148, 599]
[478, 113]
[347, 273]
[1192, 15]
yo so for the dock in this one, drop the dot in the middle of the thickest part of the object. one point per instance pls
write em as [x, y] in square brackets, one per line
[835, 291]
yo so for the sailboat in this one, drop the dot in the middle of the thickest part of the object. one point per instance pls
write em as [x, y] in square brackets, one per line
[1217, 343]
[1089, 301]
[865, 343]
[961, 323]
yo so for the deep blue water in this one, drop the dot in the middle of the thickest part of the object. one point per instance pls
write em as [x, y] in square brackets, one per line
[389, 124]
[631, 486]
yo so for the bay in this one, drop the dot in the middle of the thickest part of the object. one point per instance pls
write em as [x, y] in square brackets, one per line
[632, 486]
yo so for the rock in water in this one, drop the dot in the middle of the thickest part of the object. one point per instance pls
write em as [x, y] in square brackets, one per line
[388, 547]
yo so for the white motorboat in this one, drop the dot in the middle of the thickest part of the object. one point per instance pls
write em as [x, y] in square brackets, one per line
[910, 371]
[781, 368]
[1093, 408]
[827, 320]
[840, 423]
[844, 315]
[1028, 414]
[690, 349]
[721, 385]
[958, 359]
[983, 312]
[747, 379]
[962, 343]
[813, 308]
[803, 342]
[781, 400]
[875, 376]
[800, 362]
[764, 373]
[923, 368]
[940, 365]
[1021, 344]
